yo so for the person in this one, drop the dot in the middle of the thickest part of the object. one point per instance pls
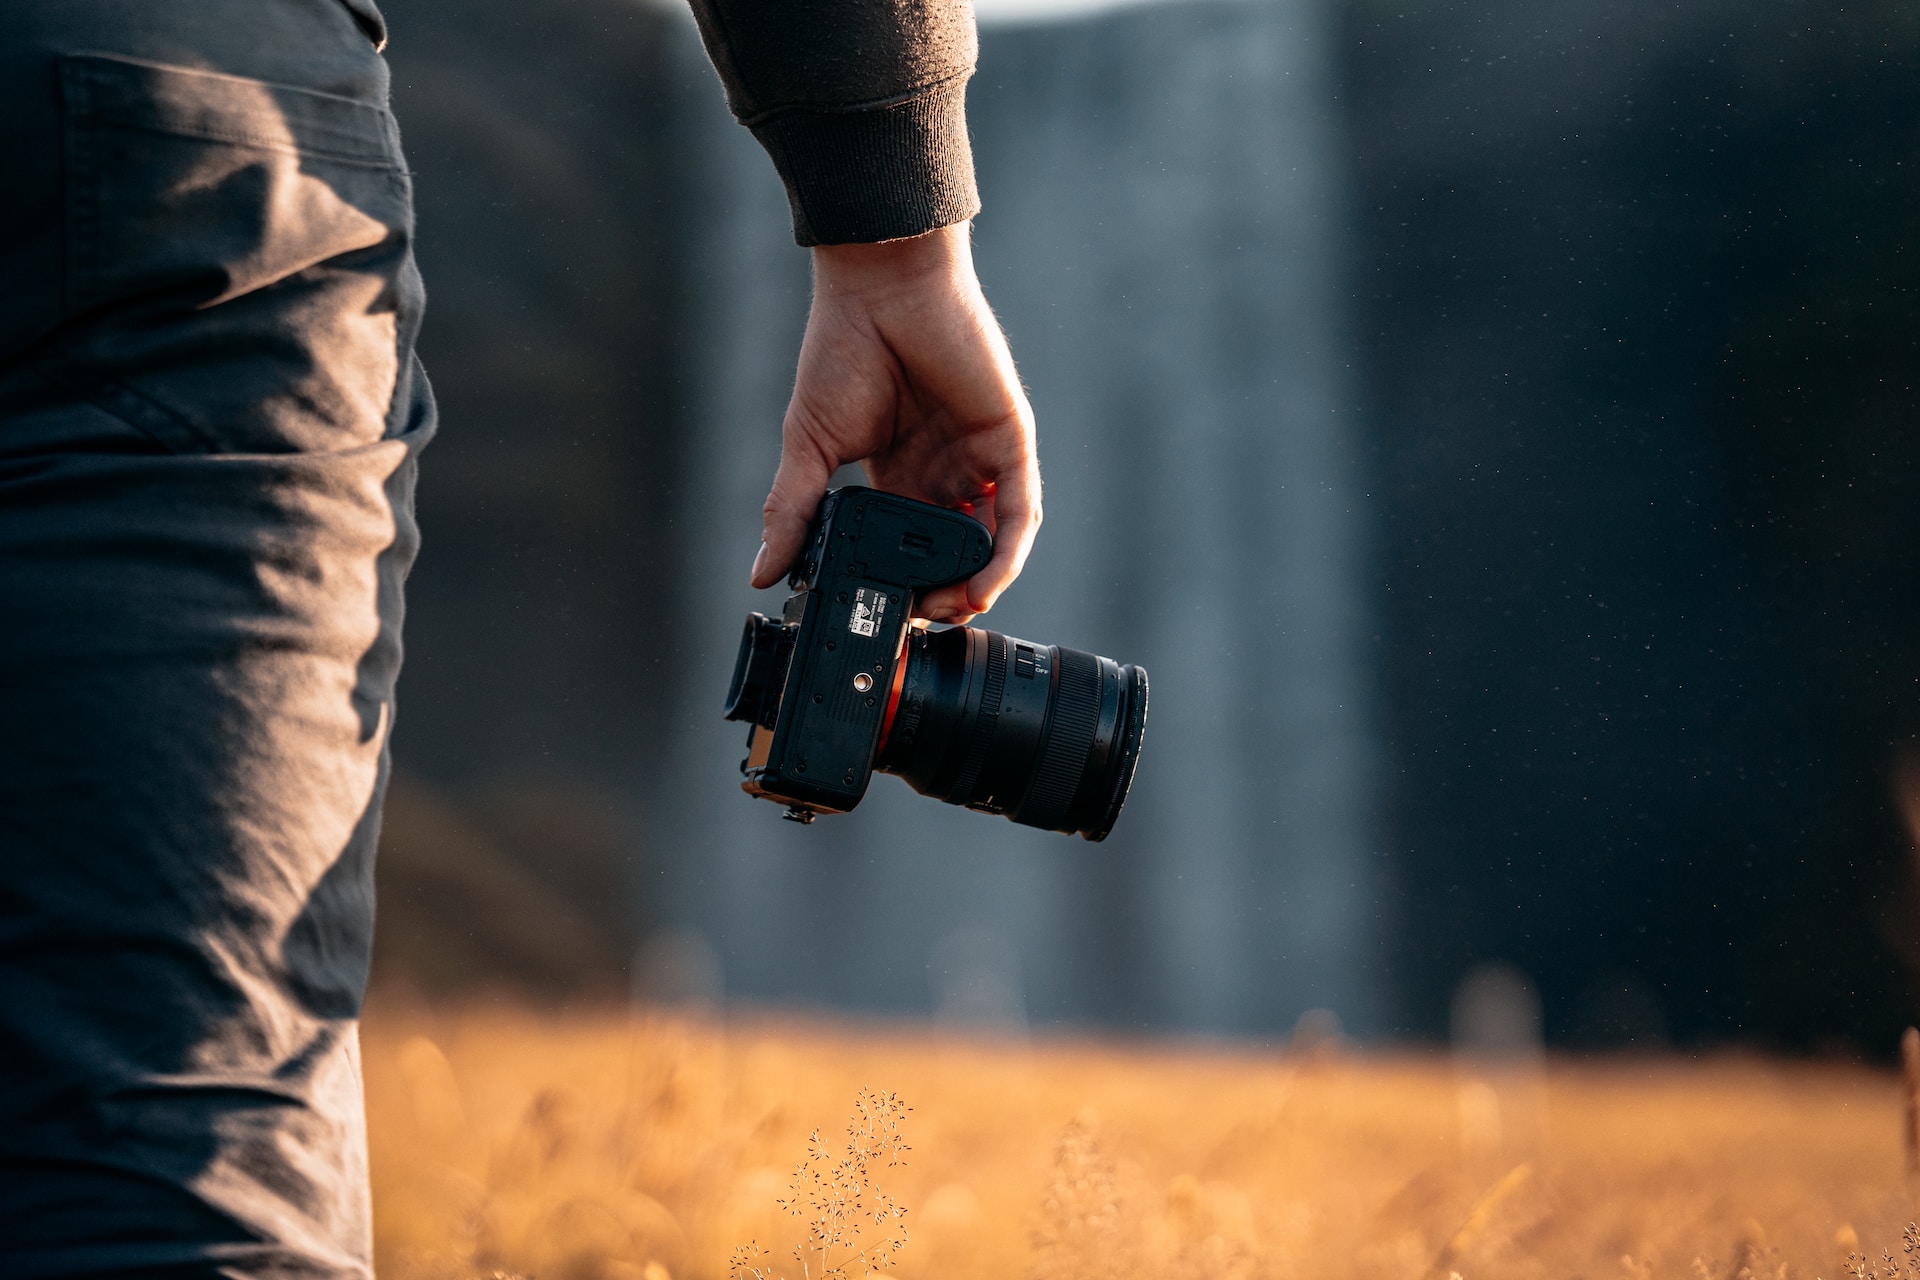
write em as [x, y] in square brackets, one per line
[211, 419]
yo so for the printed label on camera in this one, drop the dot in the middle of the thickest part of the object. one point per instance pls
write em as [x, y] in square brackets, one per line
[868, 608]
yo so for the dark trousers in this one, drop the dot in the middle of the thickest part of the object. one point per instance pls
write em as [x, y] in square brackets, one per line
[210, 414]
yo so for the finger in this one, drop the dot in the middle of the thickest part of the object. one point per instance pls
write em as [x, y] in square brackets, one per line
[1015, 518]
[798, 486]
[950, 603]
[1016, 522]
[944, 604]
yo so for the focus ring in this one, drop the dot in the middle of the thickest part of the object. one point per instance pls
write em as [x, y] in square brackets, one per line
[983, 724]
[1076, 719]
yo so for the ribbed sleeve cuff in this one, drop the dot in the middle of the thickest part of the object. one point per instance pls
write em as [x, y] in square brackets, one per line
[883, 173]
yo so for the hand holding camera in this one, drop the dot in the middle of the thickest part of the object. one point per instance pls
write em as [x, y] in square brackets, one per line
[842, 684]
[904, 369]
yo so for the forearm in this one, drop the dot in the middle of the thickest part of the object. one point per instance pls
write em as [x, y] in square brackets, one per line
[860, 103]
[903, 368]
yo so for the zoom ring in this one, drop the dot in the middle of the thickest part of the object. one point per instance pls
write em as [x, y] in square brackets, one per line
[1076, 719]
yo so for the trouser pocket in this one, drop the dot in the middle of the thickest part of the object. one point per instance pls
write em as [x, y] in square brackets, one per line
[239, 273]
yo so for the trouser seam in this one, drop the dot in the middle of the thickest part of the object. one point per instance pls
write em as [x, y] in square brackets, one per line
[124, 403]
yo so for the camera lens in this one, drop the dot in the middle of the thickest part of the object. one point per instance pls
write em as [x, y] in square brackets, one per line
[1044, 734]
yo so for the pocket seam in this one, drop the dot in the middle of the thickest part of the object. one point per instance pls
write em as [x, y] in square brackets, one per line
[240, 140]
[85, 75]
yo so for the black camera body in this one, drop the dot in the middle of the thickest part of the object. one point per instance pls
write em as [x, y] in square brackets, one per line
[845, 628]
[842, 684]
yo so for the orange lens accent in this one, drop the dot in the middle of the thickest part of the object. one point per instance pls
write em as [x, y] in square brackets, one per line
[893, 699]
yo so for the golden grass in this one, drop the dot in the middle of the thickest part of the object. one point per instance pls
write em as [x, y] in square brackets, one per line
[604, 1147]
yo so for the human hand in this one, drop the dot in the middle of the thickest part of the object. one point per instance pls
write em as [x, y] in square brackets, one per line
[905, 370]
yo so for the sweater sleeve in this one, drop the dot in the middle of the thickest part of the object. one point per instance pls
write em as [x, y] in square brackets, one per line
[861, 104]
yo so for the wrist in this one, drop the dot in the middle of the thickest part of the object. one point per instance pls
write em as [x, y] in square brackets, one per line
[941, 257]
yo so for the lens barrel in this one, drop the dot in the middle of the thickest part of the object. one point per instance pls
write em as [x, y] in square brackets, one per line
[1046, 735]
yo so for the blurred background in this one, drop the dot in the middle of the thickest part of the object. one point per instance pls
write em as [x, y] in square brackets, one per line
[1492, 424]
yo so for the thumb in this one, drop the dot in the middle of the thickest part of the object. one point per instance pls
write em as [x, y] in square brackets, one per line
[798, 486]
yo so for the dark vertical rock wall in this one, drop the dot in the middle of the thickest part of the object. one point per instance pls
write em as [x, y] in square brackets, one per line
[1639, 317]
[542, 141]
[542, 138]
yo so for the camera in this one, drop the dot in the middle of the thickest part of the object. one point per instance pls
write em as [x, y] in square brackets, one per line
[843, 684]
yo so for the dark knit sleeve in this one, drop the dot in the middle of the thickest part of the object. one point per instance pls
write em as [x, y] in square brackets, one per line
[861, 104]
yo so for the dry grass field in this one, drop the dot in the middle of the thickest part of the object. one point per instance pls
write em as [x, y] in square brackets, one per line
[610, 1147]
